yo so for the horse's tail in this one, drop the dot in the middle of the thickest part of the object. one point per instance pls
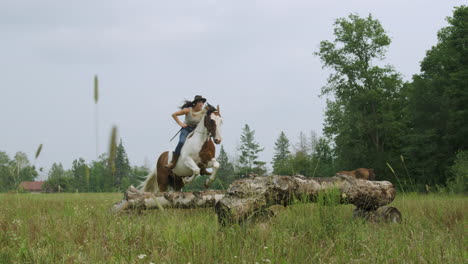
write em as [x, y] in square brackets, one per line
[149, 185]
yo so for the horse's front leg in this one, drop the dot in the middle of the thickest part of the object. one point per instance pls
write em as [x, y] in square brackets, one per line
[215, 165]
[190, 163]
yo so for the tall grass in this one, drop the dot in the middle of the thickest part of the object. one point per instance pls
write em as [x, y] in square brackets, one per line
[96, 112]
[78, 228]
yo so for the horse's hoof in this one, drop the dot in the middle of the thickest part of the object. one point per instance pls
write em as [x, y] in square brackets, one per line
[205, 172]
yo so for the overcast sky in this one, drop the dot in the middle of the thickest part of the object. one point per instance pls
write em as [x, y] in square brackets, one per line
[253, 58]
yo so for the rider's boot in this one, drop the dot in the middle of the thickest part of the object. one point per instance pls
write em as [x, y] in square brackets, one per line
[173, 163]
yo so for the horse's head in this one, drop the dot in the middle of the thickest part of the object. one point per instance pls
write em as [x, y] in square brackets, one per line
[213, 122]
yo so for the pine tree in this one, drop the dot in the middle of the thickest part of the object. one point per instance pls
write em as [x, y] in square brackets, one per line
[249, 153]
[122, 167]
[226, 172]
[282, 156]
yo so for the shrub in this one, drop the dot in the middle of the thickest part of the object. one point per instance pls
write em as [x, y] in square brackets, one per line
[458, 183]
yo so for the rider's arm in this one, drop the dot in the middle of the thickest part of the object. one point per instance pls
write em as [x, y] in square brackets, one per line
[179, 113]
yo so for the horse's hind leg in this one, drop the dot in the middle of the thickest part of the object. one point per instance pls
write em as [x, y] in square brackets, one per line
[178, 183]
[163, 173]
[162, 185]
[163, 179]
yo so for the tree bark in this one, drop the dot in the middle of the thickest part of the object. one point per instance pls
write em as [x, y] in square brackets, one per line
[249, 196]
[135, 199]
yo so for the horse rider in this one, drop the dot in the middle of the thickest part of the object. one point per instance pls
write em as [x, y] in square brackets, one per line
[193, 111]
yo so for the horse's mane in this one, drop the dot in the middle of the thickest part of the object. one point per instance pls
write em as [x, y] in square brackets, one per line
[210, 109]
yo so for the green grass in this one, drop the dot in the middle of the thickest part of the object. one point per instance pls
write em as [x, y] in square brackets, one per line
[79, 228]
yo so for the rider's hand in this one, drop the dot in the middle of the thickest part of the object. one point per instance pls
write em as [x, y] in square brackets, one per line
[183, 125]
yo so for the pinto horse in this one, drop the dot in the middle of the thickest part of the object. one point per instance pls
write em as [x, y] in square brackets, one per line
[197, 154]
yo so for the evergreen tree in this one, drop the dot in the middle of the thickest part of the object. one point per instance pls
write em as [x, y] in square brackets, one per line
[226, 173]
[122, 167]
[249, 153]
[282, 156]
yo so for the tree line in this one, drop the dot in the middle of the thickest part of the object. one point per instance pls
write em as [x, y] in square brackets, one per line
[412, 133]
[113, 172]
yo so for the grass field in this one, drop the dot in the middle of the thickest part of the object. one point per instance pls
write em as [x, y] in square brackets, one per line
[79, 228]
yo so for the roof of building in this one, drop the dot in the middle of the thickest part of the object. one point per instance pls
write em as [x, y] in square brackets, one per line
[32, 185]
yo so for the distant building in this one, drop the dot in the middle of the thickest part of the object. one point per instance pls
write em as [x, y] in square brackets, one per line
[35, 186]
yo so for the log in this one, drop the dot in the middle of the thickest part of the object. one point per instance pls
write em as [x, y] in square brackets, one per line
[135, 199]
[256, 195]
[386, 214]
[249, 196]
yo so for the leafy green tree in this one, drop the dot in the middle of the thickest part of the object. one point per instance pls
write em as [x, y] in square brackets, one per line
[4, 159]
[6, 174]
[282, 156]
[21, 169]
[323, 159]
[249, 150]
[100, 175]
[79, 172]
[458, 182]
[301, 163]
[137, 175]
[437, 112]
[13, 172]
[58, 179]
[56, 171]
[364, 117]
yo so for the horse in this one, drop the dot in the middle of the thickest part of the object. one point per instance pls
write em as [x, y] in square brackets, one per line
[361, 173]
[197, 154]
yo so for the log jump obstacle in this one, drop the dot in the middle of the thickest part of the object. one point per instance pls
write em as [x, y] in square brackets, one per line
[255, 194]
